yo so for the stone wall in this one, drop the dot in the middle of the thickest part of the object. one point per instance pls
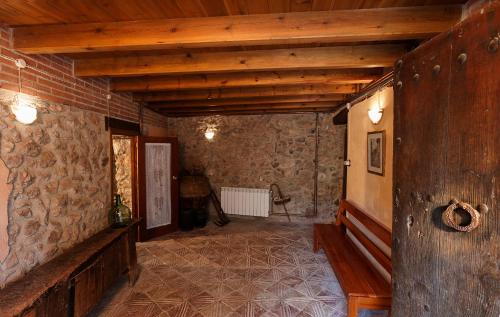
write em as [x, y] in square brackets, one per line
[58, 170]
[122, 171]
[256, 151]
[60, 195]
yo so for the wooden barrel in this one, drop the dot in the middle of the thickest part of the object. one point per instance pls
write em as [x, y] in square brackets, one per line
[194, 187]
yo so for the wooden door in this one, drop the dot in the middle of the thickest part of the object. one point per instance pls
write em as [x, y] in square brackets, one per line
[447, 146]
[158, 169]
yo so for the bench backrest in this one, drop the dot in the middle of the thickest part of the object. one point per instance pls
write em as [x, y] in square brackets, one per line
[373, 226]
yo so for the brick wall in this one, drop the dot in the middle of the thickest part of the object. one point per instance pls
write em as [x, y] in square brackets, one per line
[51, 78]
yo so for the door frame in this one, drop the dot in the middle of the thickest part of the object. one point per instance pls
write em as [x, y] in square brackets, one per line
[120, 127]
[144, 233]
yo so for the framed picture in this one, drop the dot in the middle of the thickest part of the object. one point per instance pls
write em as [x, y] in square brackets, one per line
[376, 152]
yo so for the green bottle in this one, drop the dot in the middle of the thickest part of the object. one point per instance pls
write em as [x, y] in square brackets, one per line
[119, 215]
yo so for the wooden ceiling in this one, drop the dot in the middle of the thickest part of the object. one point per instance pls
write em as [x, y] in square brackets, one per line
[194, 57]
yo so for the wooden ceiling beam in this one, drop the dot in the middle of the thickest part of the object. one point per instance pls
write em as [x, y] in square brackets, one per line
[244, 113]
[263, 29]
[251, 107]
[247, 92]
[245, 101]
[231, 80]
[363, 56]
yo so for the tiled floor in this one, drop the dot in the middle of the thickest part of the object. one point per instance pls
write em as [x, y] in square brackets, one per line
[248, 268]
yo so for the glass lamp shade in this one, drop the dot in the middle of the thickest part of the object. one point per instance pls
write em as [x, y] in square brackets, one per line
[375, 115]
[23, 110]
[209, 134]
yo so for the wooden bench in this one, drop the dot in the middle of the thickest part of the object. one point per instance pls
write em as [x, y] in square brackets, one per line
[362, 284]
[72, 283]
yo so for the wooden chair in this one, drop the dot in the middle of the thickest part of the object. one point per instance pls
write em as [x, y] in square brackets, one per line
[362, 284]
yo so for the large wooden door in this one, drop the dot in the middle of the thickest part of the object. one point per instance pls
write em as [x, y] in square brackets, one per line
[158, 169]
[447, 146]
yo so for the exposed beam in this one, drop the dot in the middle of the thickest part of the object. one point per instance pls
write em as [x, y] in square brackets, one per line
[244, 101]
[246, 92]
[363, 56]
[263, 29]
[261, 107]
[228, 80]
[247, 112]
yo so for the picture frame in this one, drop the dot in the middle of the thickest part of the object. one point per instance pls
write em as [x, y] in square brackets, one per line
[376, 152]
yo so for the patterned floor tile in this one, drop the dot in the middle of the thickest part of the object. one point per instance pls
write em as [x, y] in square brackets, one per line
[249, 268]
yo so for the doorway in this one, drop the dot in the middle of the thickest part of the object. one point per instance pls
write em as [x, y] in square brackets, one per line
[145, 173]
[123, 169]
[158, 173]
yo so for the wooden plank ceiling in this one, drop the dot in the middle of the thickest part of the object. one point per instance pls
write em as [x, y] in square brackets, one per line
[193, 57]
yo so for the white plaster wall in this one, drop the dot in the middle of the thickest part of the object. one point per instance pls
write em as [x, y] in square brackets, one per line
[371, 193]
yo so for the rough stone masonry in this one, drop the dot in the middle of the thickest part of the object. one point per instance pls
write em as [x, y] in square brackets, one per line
[255, 151]
[122, 171]
[59, 176]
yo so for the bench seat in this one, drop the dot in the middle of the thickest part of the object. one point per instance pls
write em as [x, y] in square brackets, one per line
[362, 284]
[347, 260]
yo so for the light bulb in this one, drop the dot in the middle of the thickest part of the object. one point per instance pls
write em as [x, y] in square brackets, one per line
[375, 115]
[23, 110]
[209, 134]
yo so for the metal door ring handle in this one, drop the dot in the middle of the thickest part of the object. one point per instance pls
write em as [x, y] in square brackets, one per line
[449, 219]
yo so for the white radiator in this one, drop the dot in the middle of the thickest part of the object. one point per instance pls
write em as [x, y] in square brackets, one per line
[246, 201]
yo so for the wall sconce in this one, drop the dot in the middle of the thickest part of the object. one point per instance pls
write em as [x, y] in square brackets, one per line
[375, 114]
[208, 126]
[209, 133]
[23, 110]
[22, 107]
